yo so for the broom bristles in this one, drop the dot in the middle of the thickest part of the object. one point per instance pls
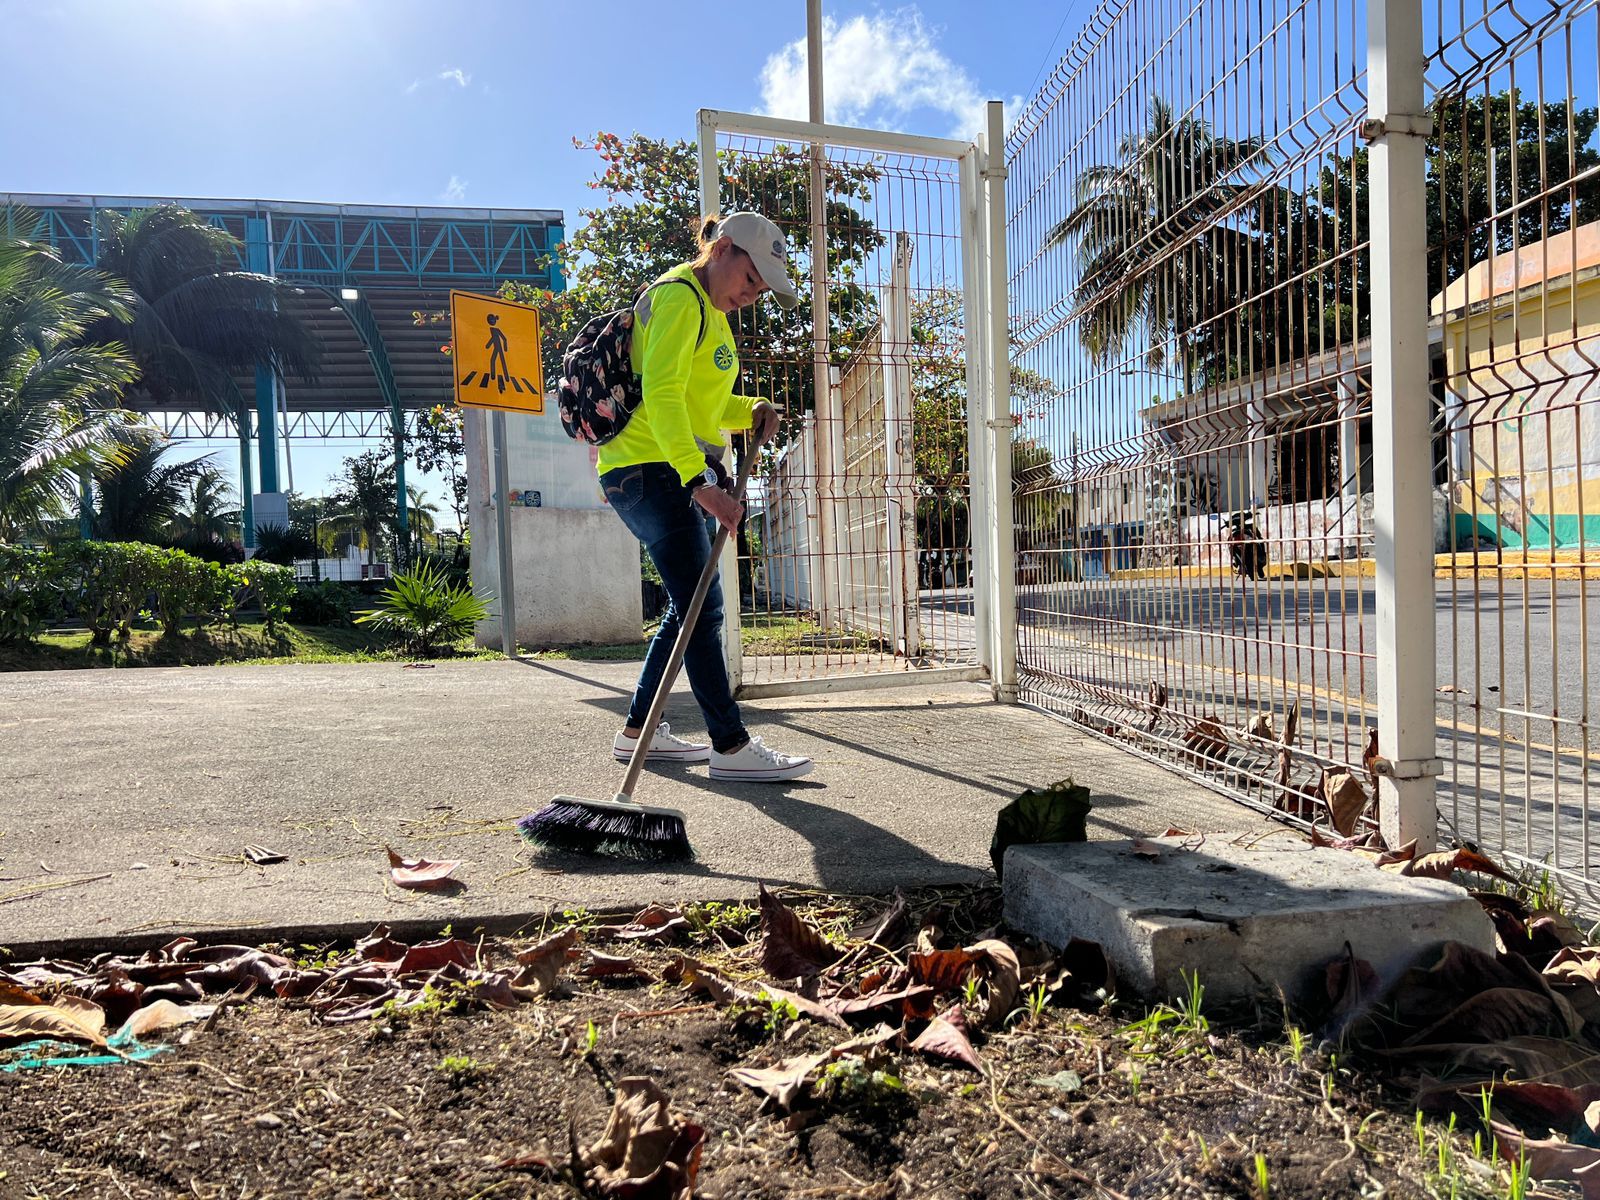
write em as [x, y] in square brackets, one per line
[608, 828]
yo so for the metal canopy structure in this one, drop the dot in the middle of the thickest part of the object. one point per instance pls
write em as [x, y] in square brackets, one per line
[363, 272]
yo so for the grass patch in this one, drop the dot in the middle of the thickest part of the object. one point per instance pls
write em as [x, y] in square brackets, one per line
[250, 644]
[587, 652]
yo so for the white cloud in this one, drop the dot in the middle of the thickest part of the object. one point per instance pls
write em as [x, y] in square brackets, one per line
[877, 70]
[455, 191]
[447, 76]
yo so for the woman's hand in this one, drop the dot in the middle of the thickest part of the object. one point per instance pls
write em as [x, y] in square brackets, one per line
[763, 423]
[720, 505]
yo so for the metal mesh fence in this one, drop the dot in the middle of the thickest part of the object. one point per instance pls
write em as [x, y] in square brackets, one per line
[1191, 384]
[1514, 274]
[1192, 355]
[856, 554]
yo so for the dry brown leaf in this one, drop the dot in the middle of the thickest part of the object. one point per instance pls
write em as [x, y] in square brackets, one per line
[163, 1014]
[789, 1081]
[1497, 1014]
[647, 1152]
[1146, 849]
[1005, 978]
[943, 970]
[11, 993]
[69, 1020]
[420, 873]
[1444, 863]
[1346, 799]
[1206, 744]
[612, 966]
[785, 1083]
[790, 946]
[698, 977]
[542, 963]
[909, 1003]
[1369, 756]
[654, 923]
[946, 1038]
[1550, 1159]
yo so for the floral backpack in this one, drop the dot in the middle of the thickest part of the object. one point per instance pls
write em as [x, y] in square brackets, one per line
[599, 390]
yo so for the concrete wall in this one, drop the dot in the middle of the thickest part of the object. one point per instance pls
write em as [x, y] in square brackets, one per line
[576, 570]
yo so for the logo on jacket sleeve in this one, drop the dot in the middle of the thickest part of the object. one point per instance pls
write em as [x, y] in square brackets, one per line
[723, 357]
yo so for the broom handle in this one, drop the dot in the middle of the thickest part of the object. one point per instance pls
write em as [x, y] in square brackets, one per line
[680, 645]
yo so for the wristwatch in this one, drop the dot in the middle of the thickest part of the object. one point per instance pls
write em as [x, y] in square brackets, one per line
[708, 478]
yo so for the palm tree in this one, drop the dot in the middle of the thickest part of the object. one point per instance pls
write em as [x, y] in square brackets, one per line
[194, 318]
[58, 392]
[421, 516]
[1155, 251]
[362, 505]
[206, 519]
[139, 499]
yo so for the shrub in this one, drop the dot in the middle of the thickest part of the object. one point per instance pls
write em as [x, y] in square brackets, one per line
[29, 593]
[188, 588]
[109, 583]
[274, 588]
[324, 603]
[422, 610]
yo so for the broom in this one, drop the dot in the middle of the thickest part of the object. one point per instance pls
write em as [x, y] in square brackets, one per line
[622, 826]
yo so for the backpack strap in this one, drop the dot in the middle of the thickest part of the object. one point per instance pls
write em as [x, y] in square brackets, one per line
[698, 299]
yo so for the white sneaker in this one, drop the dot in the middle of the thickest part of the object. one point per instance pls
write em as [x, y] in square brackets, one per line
[759, 764]
[664, 747]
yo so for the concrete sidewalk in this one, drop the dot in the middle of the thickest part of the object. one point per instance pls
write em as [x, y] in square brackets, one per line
[136, 790]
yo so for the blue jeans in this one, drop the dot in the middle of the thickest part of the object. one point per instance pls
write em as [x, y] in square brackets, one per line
[656, 507]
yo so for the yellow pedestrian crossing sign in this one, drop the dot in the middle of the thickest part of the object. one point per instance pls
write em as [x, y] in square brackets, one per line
[495, 349]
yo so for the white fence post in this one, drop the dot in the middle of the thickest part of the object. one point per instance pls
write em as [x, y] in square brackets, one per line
[1002, 534]
[732, 596]
[975, 326]
[1402, 450]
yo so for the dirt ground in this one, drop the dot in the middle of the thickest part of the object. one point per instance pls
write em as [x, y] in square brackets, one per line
[432, 1093]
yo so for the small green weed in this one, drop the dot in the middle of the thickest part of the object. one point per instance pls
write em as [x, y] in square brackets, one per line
[851, 1083]
[591, 1039]
[711, 917]
[1263, 1182]
[462, 1069]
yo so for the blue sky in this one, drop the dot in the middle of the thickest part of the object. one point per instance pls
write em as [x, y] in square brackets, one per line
[474, 103]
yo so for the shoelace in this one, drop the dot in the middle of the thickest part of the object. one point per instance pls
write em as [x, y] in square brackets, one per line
[768, 753]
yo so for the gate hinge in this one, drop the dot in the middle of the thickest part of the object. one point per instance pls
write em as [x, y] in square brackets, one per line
[1409, 124]
[998, 423]
[1407, 768]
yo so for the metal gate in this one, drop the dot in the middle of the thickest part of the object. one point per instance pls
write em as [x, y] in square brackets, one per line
[866, 550]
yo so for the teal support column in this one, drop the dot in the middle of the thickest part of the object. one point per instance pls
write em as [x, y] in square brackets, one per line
[258, 258]
[556, 235]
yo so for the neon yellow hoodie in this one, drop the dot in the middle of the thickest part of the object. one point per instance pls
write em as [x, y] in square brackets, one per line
[688, 392]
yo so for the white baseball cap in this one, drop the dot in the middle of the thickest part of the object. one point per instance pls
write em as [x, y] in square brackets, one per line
[763, 242]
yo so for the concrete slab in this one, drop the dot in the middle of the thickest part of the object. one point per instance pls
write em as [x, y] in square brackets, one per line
[1249, 913]
[126, 796]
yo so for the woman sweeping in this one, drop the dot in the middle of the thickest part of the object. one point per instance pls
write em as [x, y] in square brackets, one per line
[663, 476]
